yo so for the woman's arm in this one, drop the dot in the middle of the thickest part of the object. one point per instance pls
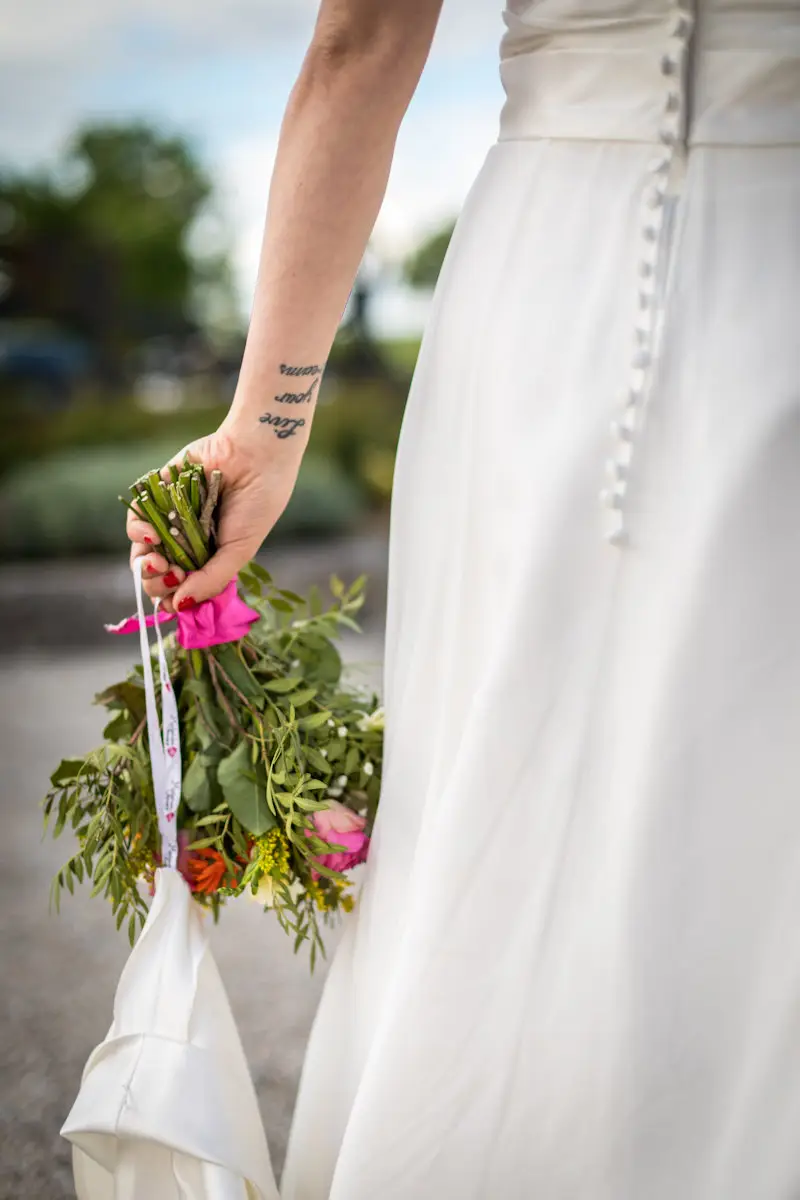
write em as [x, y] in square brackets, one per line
[334, 155]
[331, 170]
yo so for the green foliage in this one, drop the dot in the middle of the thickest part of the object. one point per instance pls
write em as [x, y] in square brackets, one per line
[67, 504]
[271, 731]
[245, 791]
[107, 254]
[402, 354]
[421, 269]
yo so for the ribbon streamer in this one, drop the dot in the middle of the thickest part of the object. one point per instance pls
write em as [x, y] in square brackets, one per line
[164, 738]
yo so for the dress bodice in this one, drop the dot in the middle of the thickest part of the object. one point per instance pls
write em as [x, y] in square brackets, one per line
[599, 73]
[720, 24]
[677, 74]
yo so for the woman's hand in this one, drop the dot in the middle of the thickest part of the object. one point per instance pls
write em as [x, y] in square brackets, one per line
[255, 490]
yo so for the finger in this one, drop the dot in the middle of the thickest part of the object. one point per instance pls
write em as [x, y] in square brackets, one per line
[154, 564]
[140, 531]
[211, 579]
[164, 584]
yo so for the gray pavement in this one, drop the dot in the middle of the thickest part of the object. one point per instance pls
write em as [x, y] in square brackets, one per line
[59, 972]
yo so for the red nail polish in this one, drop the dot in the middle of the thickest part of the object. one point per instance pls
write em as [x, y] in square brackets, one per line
[149, 569]
[186, 602]
[171, 579]
[149, 540]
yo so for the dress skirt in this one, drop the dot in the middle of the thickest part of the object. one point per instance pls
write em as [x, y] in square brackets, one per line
[573, 972]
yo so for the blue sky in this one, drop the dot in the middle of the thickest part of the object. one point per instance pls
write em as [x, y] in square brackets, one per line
[220, 72]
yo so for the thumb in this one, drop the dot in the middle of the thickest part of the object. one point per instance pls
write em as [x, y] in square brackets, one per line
[211, 579]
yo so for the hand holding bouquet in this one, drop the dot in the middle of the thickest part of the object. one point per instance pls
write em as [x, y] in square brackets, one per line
[281, 757]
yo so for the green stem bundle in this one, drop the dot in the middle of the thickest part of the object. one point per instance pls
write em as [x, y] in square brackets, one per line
[180, 511]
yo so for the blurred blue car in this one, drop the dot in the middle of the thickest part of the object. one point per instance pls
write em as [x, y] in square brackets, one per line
[41, 367]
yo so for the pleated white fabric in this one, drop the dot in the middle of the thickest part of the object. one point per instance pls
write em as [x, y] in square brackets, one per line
[166, 1109]
[574, 971]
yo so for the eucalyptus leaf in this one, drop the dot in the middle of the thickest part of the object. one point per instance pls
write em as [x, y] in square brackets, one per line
[260, 572]
[281, 686]
[239, 675]
[316, 760]
[326, 666]
[120, 727]
[127, 695]
[244, 793]
[200, 788]
[67, 770]
[315, 720]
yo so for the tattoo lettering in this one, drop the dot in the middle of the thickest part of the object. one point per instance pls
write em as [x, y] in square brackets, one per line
[283, 427]
[298, 397]
[314, 369]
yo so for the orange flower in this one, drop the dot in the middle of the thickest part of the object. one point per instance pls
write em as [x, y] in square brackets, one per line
[207, 869]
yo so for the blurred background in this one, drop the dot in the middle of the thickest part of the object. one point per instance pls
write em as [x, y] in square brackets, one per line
[135, 156]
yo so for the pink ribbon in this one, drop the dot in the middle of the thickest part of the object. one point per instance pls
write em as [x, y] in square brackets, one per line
[224, 618]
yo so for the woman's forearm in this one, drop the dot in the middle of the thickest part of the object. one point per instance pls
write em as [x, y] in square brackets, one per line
[330, 176]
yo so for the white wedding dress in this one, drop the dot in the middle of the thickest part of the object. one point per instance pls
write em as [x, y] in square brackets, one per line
[574, 972]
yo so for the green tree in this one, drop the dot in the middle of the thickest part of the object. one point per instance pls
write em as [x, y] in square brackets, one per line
[421, 269]
[100, 244]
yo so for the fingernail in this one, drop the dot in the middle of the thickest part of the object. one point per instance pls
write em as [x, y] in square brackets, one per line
[149, 540]
[171, 579]
[186, 602]
[150, 569]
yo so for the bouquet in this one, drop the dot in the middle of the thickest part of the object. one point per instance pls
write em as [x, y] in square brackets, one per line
[280, 755]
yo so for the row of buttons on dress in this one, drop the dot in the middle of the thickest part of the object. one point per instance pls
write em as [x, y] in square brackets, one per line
[672, 134]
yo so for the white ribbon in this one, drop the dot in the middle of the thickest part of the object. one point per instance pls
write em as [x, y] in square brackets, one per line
[164, 737]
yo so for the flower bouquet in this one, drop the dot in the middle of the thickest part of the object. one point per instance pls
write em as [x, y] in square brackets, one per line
[266, 776]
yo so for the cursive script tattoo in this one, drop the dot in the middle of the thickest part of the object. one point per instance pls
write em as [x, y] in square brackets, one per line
[298, 397]
[283, 427]
[313, 369]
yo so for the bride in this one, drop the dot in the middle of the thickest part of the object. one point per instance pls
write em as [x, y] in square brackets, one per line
[574, 971]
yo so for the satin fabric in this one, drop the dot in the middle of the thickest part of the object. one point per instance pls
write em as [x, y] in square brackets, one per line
[166, 1109]
[574, 969]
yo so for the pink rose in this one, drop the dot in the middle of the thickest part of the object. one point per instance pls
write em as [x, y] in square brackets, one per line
[338, 825]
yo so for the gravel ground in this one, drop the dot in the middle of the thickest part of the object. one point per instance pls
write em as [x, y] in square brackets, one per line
[59, 972]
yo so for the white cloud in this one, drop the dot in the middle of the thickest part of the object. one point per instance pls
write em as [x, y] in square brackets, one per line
[46, 31]
[244, 173]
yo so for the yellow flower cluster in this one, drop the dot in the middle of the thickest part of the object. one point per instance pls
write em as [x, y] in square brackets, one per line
[319, 897]
[272, 853]
[140, 859]
[327, 902]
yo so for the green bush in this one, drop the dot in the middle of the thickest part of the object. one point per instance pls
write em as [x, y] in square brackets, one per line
[67, 504]
[91, 422]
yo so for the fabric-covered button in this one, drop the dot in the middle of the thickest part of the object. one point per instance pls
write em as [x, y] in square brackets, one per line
[671, 132]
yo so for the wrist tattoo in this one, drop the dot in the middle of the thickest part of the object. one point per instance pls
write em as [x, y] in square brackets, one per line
[285, 427]
[282, 427]
[313, 369]
[298, 397]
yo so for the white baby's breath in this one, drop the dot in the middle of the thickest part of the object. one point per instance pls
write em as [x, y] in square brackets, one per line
[369, 768]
